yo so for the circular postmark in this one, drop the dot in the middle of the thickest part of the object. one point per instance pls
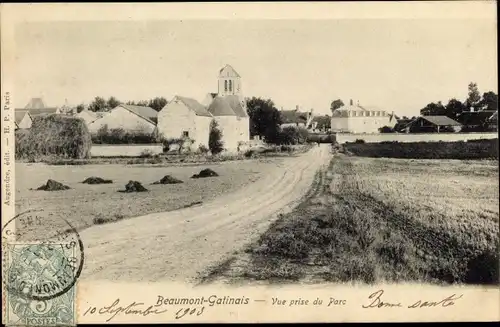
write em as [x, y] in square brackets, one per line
[42, 270]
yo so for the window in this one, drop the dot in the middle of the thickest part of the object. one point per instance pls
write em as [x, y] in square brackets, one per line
[230, 86]
[185, 134]
[225, 85]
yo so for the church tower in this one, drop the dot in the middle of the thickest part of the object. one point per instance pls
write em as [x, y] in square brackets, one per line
[229, 82]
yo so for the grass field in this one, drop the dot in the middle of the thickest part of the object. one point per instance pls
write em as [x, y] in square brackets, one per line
[374, 220]
[84, 204]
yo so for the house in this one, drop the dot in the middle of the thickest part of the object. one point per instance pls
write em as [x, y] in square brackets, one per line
[296, 118]
[87, 116]
[232, 119]
[184, 117]
[22, 119]
[129, 118]
[478, 120]
[433, 124]
[37, 107]
[493, 121]
[401, 124]
[360, 120]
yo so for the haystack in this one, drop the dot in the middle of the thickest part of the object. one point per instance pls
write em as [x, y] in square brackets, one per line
[167, 179]
[53, 185]
[97, 180]
[205, 173]
[134, 186]
[54, 136]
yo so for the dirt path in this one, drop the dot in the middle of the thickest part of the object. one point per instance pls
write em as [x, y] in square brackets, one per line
[178, 245]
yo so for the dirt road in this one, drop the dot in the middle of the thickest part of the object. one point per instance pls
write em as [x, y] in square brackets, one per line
[178, 245]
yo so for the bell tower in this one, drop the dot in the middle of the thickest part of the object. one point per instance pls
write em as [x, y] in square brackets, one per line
[229, 82]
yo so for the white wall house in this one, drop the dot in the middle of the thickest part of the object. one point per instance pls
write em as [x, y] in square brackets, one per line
[87, 116]
[129, 118]
[360, 120]
[22, 119]
[185, 117]
[233, 120]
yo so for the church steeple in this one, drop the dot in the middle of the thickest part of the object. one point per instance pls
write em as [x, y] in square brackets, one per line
[229, 82]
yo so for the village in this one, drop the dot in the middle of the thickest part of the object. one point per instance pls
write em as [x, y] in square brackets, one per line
[185, 118]
[211, 153]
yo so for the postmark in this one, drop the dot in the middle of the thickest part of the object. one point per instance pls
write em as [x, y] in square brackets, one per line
[39, 278]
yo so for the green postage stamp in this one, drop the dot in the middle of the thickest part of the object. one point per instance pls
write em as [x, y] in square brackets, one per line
[39, 284]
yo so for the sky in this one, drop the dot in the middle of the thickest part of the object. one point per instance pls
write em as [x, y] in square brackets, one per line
[397, 65]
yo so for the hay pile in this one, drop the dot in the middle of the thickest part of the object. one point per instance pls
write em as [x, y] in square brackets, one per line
[54, 136]
[97, 180]
[133, 186]
[53, 185]
[205, 173]
[167, 179]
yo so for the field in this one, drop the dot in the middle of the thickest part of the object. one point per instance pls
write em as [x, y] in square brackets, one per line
[472, 149]
[83, 205]
[372, 220]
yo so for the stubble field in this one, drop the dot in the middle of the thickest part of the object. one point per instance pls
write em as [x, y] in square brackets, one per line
[373, 220]
[83, 204]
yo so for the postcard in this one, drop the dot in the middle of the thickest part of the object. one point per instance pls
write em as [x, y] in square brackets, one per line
[249, 162]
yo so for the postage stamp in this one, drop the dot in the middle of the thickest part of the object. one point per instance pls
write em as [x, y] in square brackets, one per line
[40, 281]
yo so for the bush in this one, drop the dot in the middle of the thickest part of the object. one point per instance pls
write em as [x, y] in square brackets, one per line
[215, 142]
[386, 129]
[119, 136]
[203, 149]
[291, 135]
[477, 149]
[359, 141]
[54, 136]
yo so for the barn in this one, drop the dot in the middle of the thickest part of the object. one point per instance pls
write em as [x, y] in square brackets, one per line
[185, 117]
[129, 118]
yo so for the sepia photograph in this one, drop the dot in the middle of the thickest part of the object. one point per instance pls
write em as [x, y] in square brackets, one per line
[148, 147]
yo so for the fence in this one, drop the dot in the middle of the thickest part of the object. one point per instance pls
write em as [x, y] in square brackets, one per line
[405, 138]
[124, 150]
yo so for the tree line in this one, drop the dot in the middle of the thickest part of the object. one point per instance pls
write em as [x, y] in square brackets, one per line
[102, 104]
[454, 108]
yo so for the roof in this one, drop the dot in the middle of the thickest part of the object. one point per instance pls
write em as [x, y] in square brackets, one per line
[194, 105]
[147, 113]
[441, 120]
[474, 118]
[221, 107]
[235, 102]
[39, 111]
[293, 117]
[351, 108]
[35, 103]
[230, 71]
[19, 115]
[494, 117]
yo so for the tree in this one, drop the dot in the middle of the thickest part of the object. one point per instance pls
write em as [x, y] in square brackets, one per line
[112, 103]
[157, 103]
[80, 108]
[265, 119]
[433, 109]
[454, 108]
[386, 129]
[215, 143]
[474, 97]
[99, 104]
[489, 101]
[336, 104]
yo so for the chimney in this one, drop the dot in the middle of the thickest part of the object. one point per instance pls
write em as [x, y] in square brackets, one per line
[350, 102]
[358, 102]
